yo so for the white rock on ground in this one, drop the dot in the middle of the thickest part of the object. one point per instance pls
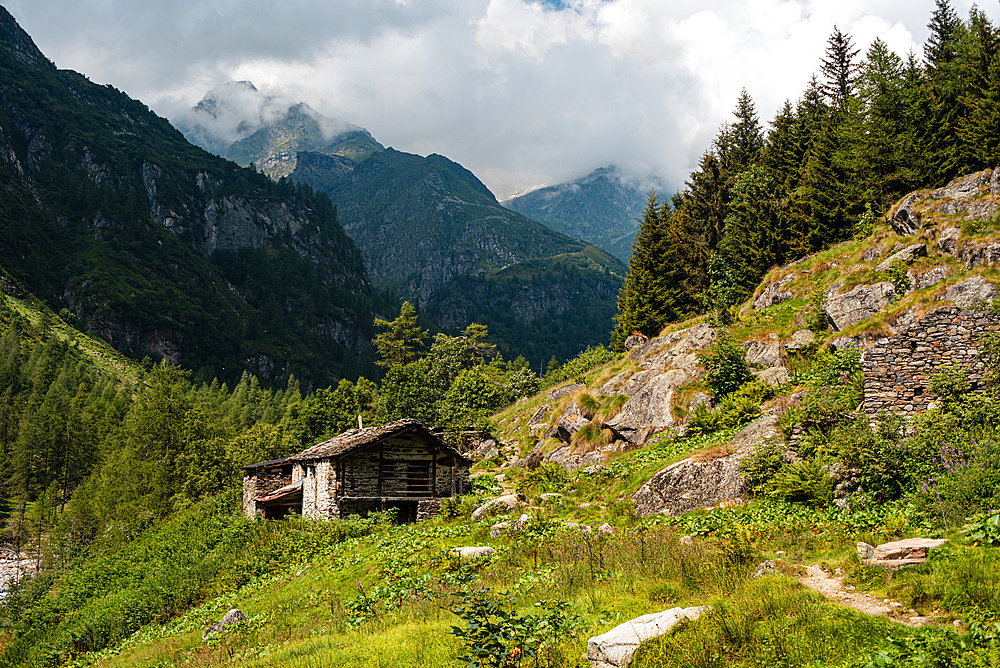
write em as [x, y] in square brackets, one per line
[232, 617]
[472, 552]
[861, 303]
[614, 649]
[500, 504]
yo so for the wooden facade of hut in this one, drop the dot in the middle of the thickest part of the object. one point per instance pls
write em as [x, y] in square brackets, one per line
[400, 465]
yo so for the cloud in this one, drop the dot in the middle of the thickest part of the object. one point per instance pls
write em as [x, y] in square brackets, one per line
[523, 93]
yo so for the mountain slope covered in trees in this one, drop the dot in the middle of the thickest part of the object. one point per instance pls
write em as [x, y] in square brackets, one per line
[161, 248]
[434, 233]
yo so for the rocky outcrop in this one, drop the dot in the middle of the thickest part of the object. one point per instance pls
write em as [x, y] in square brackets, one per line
[906, 220]
[904, 256]
[919, 281]
[231, 618]
[800, 339]
[848, 309]
[699, 482]
[975, 254]
[970, 293]
[649, 402]
[774, 377]
[564, 391]
[773, 294]
[764, 354]
[614, 648]
[946, 241]
[501, 504]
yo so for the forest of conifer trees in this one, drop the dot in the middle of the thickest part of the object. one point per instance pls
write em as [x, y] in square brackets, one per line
[867, 129]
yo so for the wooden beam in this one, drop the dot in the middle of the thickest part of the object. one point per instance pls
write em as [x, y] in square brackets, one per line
[434, 468]
[381, 463]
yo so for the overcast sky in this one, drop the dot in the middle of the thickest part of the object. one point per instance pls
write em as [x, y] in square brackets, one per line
[522, 93]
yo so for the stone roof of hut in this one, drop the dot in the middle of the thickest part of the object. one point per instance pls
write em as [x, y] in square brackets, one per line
[357, 439]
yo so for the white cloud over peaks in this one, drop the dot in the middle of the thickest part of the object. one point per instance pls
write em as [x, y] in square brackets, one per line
[521, 92]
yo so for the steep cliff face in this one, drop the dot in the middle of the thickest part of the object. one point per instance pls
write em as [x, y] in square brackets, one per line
[160, 247]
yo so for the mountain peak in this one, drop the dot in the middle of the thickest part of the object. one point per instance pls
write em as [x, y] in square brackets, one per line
[19, 42]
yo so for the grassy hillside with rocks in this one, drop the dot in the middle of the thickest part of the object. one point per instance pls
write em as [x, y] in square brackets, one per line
[727, 466]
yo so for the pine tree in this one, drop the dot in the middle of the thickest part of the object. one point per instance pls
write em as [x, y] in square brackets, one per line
[839, 68]
[645, 302]
[403, 341]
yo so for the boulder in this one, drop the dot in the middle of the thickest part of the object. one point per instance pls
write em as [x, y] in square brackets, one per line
[861, 303]
[905, 221]
[501, 504]
[764, 568]
[232, 617]
[904, 552]
[487, 449]
[673, 350]
[800, 339]
[773, 377]
[614, 649]
[905, 256]
[471, 552]
[764, 354]
[975, 254]
[773, 294]
[865, 551]
[926, 279]
[649, 403]
[563, 391]
[963, 187]
[635, 340]
[971, 292]
[511, 526]
[566, 458]
[538, 422]
[695, 483]
[947, 240]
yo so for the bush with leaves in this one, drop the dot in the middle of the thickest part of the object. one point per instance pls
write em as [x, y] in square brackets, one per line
[703, 420]
[761, 465]
[805, 481]
[725, 365]
[495, 635]
[548, 477]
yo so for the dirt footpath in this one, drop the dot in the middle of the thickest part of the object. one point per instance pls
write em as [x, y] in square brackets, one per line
[833, 588]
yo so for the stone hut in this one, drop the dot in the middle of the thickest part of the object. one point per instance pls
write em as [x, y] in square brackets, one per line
[401, 465]
[898, 370]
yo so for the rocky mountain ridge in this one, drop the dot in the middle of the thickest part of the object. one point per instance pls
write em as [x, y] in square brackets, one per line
[602, 208]
[238, 122]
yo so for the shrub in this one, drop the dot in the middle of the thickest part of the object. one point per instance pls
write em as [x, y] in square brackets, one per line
[726, 366]
[496, 636]
[549, 477]
[759, 467]
[804, 481]
[739, 410]
[950, 384]
[703, 420]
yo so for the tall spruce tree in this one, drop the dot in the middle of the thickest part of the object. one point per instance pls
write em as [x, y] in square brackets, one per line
[646, 300]
[839, 69]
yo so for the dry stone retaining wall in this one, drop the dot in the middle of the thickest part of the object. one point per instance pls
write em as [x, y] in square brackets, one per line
[898, 370]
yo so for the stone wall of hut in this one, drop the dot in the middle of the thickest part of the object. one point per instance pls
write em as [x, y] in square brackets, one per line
[897, 372]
